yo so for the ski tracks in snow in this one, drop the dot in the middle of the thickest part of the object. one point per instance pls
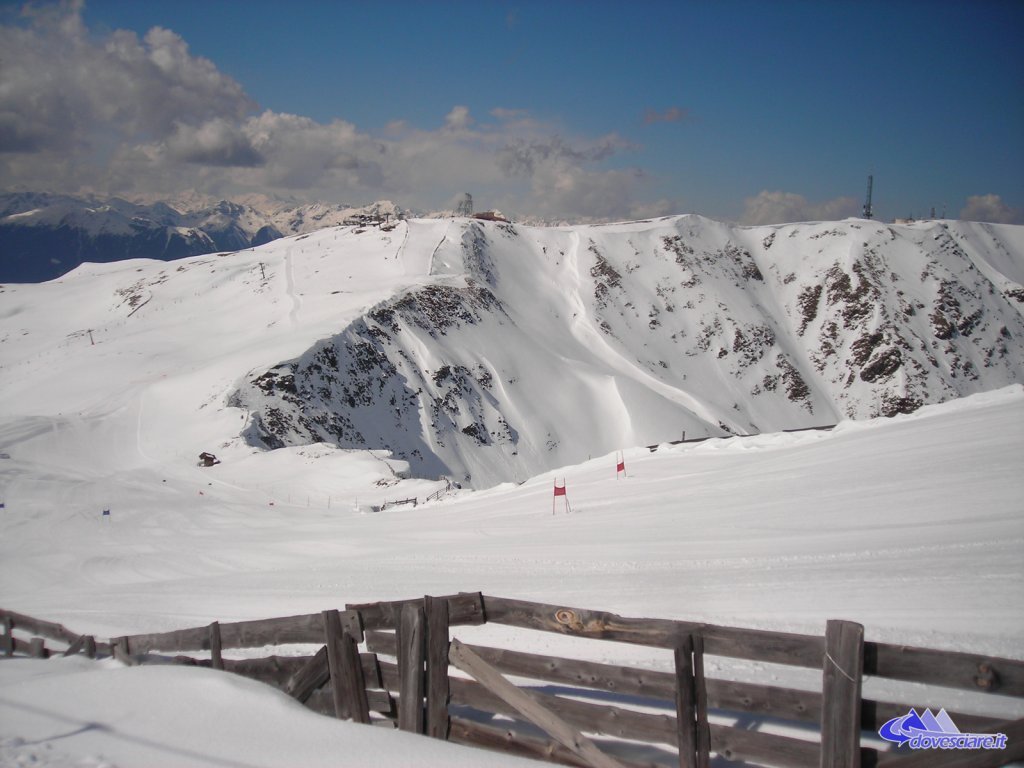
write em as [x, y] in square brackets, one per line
[289, 285]
[581, 326]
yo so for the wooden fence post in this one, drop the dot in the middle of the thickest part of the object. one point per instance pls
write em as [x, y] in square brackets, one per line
[410, 668]
[686, 704]
[8, 637]
[437, 667]
[841, 694]
[37, 648]
[216, 660]
[90, 646]
[701, 694]
[348, 686]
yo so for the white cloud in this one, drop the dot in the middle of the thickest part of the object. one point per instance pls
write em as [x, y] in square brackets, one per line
[120, 114]
[217, 142]
[458, 118]
[779, 207]
[991, 208]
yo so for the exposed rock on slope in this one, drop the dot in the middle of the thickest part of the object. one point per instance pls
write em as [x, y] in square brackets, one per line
[529, 348]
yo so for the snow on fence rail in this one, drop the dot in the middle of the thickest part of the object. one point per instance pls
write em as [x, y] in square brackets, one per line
[578, 712]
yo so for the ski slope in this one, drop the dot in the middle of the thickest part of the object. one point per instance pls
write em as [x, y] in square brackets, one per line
[114, 378]
[912, 526]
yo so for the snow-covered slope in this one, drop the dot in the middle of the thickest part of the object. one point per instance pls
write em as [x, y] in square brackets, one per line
[114, 377]
[43, 236]
[489, 352]
[532, 348]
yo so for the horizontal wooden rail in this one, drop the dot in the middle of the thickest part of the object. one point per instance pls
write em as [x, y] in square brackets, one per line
[966, 671]
[754, 644]
[465, 609]
[48, 629]
[306, 628]
[622, 722]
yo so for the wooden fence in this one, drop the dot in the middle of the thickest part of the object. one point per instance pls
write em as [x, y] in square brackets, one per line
[398, 664]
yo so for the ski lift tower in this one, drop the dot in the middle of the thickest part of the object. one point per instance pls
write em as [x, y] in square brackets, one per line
[465, 205]
[867, 203]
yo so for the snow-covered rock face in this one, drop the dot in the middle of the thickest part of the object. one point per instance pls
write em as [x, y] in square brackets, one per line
[527, 349]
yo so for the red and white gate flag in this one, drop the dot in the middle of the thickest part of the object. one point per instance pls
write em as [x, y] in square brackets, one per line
[559, 489]
[621, 466]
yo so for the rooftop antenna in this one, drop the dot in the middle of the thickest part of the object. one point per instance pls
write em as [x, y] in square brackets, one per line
[867, 203]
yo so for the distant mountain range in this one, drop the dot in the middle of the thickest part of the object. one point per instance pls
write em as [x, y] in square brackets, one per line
[43, 236]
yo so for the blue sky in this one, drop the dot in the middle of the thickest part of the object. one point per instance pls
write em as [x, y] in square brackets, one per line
[749, 111]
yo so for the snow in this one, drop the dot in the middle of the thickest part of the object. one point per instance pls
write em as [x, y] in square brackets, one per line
[73, 712]
[912, 525]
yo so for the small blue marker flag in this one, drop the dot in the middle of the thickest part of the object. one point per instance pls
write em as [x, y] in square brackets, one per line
[106, 513]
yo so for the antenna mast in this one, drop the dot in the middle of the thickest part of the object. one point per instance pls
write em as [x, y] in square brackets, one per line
[867, 203]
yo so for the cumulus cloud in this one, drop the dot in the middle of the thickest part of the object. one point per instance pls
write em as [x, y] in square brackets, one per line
[670, 115]
[216, 142]
[778, 207]
[70, 91]
[122, 114]
[991, 208]
[458, 118]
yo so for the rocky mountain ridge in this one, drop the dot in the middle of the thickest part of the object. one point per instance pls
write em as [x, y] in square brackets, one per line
[533, 348]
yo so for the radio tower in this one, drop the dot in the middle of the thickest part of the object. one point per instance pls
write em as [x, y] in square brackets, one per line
[464, 207]
[867, 203]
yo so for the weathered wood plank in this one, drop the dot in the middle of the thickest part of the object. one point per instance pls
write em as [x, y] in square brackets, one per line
[464, 609]
[272, 670]
[515, 742]
[382, 641]
[309, 677]
[584, 623]
[966, 671]
[371, 670]
[410, 664]
[758, 645]
[784, 703]
[686, 704]
[76, 647]
[216, 659]
[305, 628]
[701, 694]
[90, 646]
[739, 745]
[529, 707]
[332, 636]
[437, 692]
[353, 683]
[322, 701]
[591, 717]
[762, 645]
[753, 746]
[7, 639]
[841, 689]
[119, 649]
[505, 740]
[47, 629]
